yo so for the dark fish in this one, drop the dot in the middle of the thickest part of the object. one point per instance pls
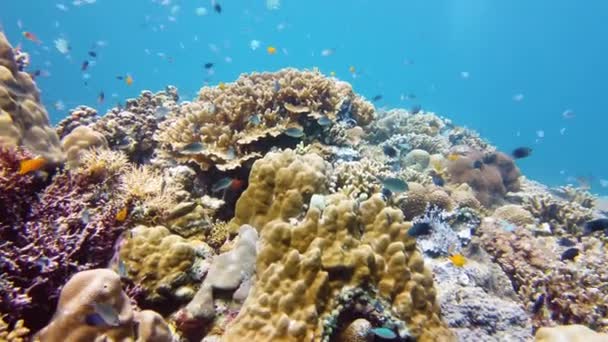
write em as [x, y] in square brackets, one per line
[294, 132]
[489, 158]
[101, 97]
[93, 54]
[521, 152]
[416, 109]
[477, 164]
[538, 304]
[386, 193]
[208, 65]
[120, 78]
[217, 8]
[390, 151]
[565, 242]
[84, 66]
[569, 254]
[377, 98]
[438, 180]
[420, 228]
[324, 121]
[36, 73]
[395, 184]
[595, 226]
[193, 148]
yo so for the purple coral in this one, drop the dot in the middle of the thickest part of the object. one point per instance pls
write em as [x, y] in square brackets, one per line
[71, 228]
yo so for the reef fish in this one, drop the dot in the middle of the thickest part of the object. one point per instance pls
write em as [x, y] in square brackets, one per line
[193, 148]
[121, 215]
[103, 315]
[386, 194]
[324, 121]
[521, 152]
[570, 254]
[222, 184]
[458, 260]
[416, 109]
[377, 98]
[420, 228]
[538, 303]
[101, 97]
[438, 180]
[129, 80]
[395, 184]
[294, 132]
[84, 65]
[93, 54]
[208, 65]
[565, 242]
[271, 50]
[32, 37]
[390, 151]
[384, 333]
[217, 8]
[595, 226]
[30, 165]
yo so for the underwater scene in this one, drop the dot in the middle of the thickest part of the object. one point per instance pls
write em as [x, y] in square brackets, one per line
[282, 170]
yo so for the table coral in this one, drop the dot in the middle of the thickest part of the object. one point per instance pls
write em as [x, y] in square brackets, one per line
[239, 122]
[23, 120]
[308, 258]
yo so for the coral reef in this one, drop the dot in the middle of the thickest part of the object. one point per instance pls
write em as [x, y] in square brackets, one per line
[563, 217]
[23, 120]
[79, 140]
[570, 333]
[238, 122]
[514, 214]
[79, 116]
[319, 254]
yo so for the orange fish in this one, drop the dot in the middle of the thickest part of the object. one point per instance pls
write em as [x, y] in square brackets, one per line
[129, 80]
[271, 50]
[236, 184]
[29, 165]
[32, 37]
[458, 259]
[121, 215]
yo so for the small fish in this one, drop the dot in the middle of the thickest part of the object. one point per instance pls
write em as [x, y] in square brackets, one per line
[538, 304]
[62, 45]
[32, 37]
[377, 98]
[518, 97]
[120, 78]
[254, 119]
[416, 109]
[208, 65]
[521, 152]
[84, 65]
[129, 80]
[121, 215]
[352, 69]
[384, 333]
[101, 97]
[565, 242]
[438, 180]
[569, 254]
[217, 8]
[324, 121]
[30, 165]
[453, 156]
[276, 86]
[236, 184]
[221, 85]
[595, 226]
[477, 164]
[193, 148]
[458, 259]
[254, 44]
[222, 184]
[93, 54]
[85, 217]
[332, 73]
[395, 184]
[103, 315]
[36, 73]
[568, 114]
[390, 151]
[327, 52]
[419, 228]
[294, 132]
[489, 158]
[271, 50]
[386, 194]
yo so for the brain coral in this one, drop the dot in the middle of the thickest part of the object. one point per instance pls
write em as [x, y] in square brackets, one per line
[310, 262]
[23, 120]
[233, 121]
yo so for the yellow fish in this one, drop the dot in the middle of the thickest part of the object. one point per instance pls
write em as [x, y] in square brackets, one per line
[332, 73]
[29, 165]
[121, 215]
[453, 157]
[458, 259]
[271, 50]
[129, 80]
[352, 69]
[222, 85]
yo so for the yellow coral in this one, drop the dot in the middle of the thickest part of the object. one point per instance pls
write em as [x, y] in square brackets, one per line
[102, 162]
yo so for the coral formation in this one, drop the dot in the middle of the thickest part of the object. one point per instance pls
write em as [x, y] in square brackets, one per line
[23, 120]
[79, 116]
[514, 214]
[564, 217]
[320, 254]
[570, 333]
[239, 121]
[79, 140]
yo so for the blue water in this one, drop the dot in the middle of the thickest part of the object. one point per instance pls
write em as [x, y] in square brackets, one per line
[552, 52]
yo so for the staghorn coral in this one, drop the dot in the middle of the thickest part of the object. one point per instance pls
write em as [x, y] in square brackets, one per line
[165, 265]
[491, 181]
[320, 254]
[239, 122]
[564, 217]
[79, 140]
[357, 178]
[23, 120]
[78, 299]
[578, 195]
[79, 116]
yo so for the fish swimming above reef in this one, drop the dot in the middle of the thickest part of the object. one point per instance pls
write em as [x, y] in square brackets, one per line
[30, 165]
[416, 109]
[384, 334]
[565, 242]
[521, 152]
[458, 260]
[193, 148]
[208, 65]
[570, 254]
[595, 226]
[324, 121]
[420, 228]
[376, 98]
[538, 304]
[437, 180]
[294, 132]
[395, 184]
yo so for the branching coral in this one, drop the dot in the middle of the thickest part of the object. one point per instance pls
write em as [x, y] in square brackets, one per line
[23, 120]
[79, 116]
[238, 122]
[564, 217]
